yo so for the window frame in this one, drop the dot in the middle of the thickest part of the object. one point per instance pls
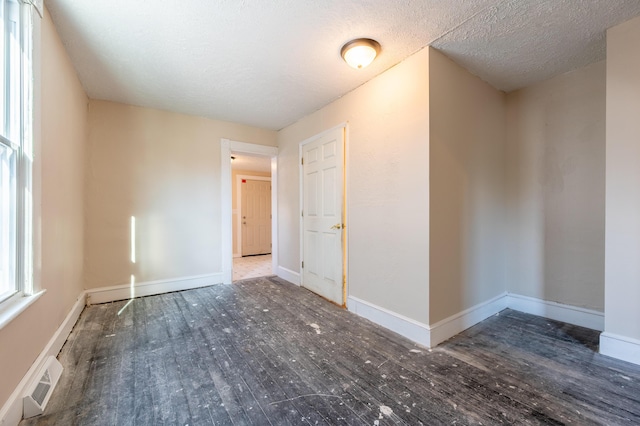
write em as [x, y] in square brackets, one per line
[20, 142]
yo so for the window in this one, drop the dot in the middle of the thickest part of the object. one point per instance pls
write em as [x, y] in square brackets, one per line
[15, 151]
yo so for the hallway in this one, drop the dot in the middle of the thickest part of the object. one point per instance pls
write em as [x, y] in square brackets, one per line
[252, 267]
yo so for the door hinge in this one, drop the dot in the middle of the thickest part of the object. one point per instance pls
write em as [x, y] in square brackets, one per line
[302, 160]
[303, 264]
[302, 213]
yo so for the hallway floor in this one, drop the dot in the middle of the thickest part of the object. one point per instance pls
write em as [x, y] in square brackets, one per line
[252, 267]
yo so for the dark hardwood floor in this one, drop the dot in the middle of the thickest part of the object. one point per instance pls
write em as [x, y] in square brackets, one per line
[266, 352]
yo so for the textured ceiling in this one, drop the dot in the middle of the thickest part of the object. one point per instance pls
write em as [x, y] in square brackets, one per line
[269, 63]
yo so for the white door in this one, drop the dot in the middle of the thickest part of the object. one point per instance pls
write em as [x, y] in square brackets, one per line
[256, 217]
[322, 215]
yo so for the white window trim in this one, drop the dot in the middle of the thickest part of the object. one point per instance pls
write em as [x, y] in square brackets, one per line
[24, 294]
[15, 305]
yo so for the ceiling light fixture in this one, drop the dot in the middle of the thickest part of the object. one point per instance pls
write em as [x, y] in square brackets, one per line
[360, 52]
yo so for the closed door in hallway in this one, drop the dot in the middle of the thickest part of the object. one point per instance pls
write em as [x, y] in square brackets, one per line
[256, 217]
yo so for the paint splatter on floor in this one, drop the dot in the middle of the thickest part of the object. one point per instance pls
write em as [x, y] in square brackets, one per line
[316, 327]
[387, 411]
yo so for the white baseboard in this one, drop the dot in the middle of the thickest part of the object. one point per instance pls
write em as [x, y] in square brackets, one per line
[620, 347]
[407, 327]
[11, 413]
[432, 335]
[149, 288]
[557, 311]
[449, 327]
[424, 334]
[289, 275]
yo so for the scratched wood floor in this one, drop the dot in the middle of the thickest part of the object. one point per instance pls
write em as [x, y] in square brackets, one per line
[265, 352]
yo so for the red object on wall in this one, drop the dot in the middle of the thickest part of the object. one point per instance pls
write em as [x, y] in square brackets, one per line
[244, 181]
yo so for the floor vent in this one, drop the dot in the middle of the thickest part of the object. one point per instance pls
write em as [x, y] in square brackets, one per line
[39, 392]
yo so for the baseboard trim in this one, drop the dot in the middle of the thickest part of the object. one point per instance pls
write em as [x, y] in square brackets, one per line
[620, 347]
[149, 288]
[404, 326]
[449, 327]
[11, 412]
[433, 335]
[289, 275]
[557, 311]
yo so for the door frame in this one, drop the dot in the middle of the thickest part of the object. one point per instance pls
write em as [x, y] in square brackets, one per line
[345, 231]
[226, 236]
[239, 204]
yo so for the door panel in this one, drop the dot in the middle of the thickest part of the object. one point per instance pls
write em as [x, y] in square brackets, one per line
[322, 207]
[256, 217]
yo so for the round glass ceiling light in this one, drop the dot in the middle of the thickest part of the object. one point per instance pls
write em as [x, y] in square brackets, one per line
[360, 52]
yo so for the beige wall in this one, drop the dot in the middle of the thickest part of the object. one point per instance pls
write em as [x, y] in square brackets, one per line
[556, 188]
[59, 173]
[164, 169]
[622, 268]
[420, 155]
[235, 204]
[467, 189]
[387, 186]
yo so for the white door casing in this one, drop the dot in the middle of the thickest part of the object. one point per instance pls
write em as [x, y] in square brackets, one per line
[256, 216]
[226, 147]
[322, 214]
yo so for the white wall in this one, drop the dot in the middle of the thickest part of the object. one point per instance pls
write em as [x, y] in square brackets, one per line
[622, 263]
[425, 188]
[467, 189]
[58, 177]
[387, 187]
[556, 188]
[164, 169]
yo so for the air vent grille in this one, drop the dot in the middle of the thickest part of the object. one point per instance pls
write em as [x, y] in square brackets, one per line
[39, 391]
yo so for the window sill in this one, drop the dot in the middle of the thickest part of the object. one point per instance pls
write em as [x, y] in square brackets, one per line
[11, 308]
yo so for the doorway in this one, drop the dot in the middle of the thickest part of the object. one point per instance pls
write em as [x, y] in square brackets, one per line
[251, 154]
[252, 227]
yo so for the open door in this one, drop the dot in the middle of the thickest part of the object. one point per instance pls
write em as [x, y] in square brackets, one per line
[322, 215]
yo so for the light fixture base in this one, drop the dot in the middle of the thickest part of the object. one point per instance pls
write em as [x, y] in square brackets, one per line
[360, 52]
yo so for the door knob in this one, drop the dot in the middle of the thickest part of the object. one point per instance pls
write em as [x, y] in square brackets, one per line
[337, 226]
